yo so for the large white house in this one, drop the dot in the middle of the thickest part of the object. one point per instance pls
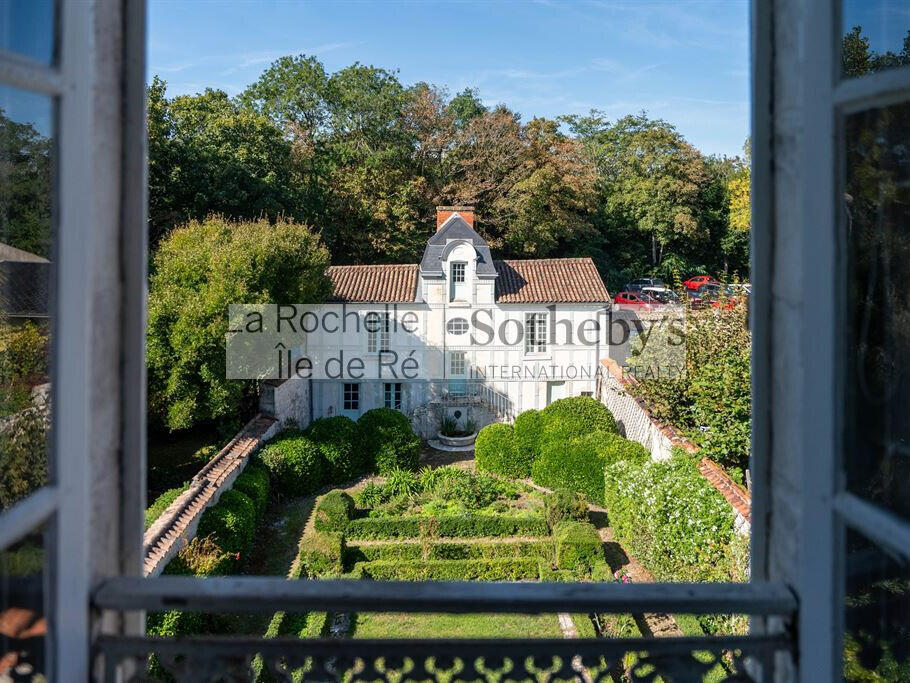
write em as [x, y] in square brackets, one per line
[486, 339]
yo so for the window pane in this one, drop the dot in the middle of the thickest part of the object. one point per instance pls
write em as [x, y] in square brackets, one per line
[876, 36]
[23, 627]
[25, 287]
[876, 614]
[27, 28]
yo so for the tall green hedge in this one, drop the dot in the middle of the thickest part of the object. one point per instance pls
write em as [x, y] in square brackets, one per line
[333, 511]
[295, 463]
[672, 520]
[578, 546]
[495, 451]
[231, 522]
[578, 463]
[337, 440]
[388, 440]
[254, 482]
[576, 416]
[528, 435]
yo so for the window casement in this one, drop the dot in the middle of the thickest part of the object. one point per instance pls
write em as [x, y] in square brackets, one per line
[535, 333]
[458, 272]
[392, 395]
[457, 363]
[119, 596]
[379, 332]
[351, 396]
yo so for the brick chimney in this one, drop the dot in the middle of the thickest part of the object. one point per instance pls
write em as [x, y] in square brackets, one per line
[444, 212]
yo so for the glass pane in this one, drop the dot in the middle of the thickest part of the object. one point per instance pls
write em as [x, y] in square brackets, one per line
[876, 614]
[27, 28]
[876, 36]
[877, 224]
[23, 625]
[26, 273]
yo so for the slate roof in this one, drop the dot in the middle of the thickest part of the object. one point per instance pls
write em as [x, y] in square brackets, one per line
[455, 228]
[568, 280]
[374, 284]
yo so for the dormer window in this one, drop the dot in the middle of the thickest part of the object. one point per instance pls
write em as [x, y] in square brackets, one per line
[458, 289]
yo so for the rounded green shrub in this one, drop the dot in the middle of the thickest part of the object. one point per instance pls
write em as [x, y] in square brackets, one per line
[577, 465]
[254, 482]
[231, 522]
[495, 451]
[574, 417]
[333, 511]
[295, 464]
[528, 435]
[337, 440]
[617, 448]
[388, 440]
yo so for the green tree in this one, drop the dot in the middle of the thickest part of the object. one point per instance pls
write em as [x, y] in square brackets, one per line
[25, 190]
[201, 268]
[209, 155]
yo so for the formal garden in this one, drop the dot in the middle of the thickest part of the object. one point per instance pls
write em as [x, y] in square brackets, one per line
[558, 496]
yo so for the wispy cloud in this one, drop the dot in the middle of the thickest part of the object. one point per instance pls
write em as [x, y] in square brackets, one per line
[232, 63]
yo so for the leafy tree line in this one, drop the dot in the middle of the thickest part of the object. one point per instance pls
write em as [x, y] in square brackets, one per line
[364, 159]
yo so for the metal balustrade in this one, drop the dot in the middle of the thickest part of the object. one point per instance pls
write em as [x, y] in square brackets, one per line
[211, 658]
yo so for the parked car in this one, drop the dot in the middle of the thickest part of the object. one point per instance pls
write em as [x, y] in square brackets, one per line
[635, 299]
[741, 289]
[713, 294]
[662, 295]
[694, 283]
[642, 282]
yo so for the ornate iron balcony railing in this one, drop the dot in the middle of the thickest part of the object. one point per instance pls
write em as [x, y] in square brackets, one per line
[747, 657]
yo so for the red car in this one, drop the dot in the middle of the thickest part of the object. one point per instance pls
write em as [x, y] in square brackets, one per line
[694, 283]
[635, 299]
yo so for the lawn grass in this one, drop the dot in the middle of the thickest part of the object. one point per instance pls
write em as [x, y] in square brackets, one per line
[398, 625]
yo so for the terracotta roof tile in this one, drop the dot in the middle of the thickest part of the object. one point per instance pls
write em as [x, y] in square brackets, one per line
[557, 280]
[374, 284]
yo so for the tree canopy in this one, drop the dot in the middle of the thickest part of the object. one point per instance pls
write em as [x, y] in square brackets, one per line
[364, 159]
[199, 269]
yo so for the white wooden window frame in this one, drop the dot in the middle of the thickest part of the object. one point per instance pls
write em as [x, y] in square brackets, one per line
[828, 508]
[80, 91]
[68, 501]
[535, 333]
[379, 335]
[458, 363]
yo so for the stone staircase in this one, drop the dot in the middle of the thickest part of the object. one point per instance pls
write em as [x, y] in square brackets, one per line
[177, 524]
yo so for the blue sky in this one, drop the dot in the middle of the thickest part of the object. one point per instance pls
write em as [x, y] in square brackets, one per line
[682, 60]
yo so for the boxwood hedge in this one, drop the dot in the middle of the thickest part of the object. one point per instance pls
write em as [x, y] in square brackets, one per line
[510, 569]
[231, 522]
[460, 526]
[578, 463]
[295, 464]
[333, 511]
[578, 546]
[322, 554]
[388, 441]
[495, 451]
[528, 435]
[337, 440]
[576, 416]
[254, 482]
[448, 550]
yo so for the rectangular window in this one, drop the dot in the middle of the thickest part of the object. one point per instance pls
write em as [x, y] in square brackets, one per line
[379, 335]
[458, 271]
[535, 333]
[352, 396]
[392, 391]
[457, 363]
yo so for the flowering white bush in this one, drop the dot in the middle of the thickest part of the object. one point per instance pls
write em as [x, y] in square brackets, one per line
[670, 518]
